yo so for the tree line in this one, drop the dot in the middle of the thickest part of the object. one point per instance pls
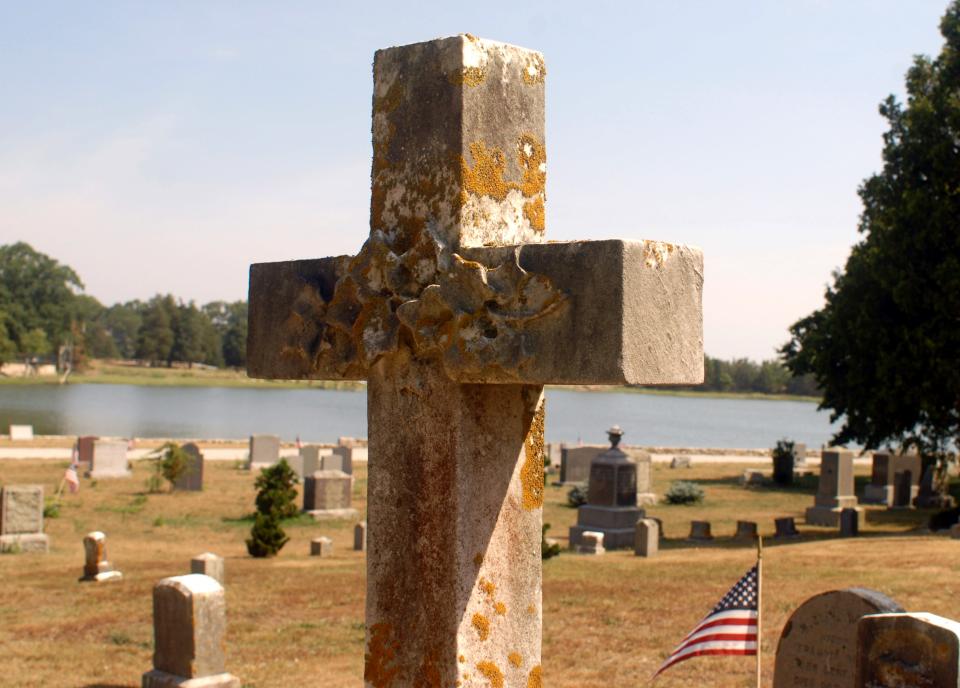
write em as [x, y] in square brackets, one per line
[741, 375]
[43, 307]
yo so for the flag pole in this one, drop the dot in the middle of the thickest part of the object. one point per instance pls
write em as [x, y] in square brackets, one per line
[759, 604]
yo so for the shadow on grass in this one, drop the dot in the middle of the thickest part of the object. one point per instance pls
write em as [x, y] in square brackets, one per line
[110, 685]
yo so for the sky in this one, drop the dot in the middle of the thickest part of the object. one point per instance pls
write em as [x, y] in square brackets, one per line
[163, 147]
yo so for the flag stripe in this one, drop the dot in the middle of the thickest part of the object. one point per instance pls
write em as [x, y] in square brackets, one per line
[729, 619]
[744, 652]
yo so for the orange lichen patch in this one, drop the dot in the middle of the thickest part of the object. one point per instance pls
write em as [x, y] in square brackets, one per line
[500, 608]
[534, 212]
[532, 609]
[531, 473]
[534, 71]
[482, 624]
[532, 158]
[535, 679]
[428, 676]
[515, 659]
[381, 651]
[487, 587]
[492, 673]
[461, 659]
[468, 76]
[485, 178]
[478, 559]
[656, 253]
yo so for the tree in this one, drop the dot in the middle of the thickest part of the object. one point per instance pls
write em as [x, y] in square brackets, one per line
[276, 500]
[123, 321]
[155, 337]
[883, 349]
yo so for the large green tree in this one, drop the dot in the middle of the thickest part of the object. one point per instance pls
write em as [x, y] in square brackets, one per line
[884, 348]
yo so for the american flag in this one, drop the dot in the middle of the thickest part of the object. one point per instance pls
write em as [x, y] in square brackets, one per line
[730, 629]
[70, 475]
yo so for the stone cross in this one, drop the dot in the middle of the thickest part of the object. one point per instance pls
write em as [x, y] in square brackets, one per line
[457, 311]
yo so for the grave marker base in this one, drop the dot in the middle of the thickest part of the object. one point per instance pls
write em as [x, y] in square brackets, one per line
[333, 514]
[825, 516]
[26, 542]
[161, 679]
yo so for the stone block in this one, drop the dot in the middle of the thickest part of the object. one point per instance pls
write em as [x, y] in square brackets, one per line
[825, 516]
[97, 568]
[264, 451]
[746, 531]
[835, 489]
[326, 494]
[575, 462]
[700, 531]
[309, 460]
[208, 564]
[109, 460]
[785, 528]
[590, 543]
[161, 679]
[192, 477]
[680, 462]
[360, 537]
[28, 543]
[849, 523]
[818, 644]
[21, 432]
[321, 547]
[342, 458]
[21, 509]
[85, 450]
[907, 650]
[647, 539]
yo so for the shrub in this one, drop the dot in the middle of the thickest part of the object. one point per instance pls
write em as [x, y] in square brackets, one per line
[51, 509]
[266, 537]
[277, 491]
[547, 549]
[577, 496]
[783, 462]
[171, 461]
[684, 492]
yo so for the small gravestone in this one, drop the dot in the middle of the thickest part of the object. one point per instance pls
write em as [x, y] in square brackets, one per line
[21, 519]
[264, 451]
[753, 478]
[189, 630]
[700, 531]
[642, 460]
[785, 527]
[835, 491]
[783, 467]
[849, 523]
[21, 432]
[648, 538]
[208, 564]
[97, 568]
[590, 542]
[575, 462]
[109, 460]
[326, 494]
[360, 537]
[680, 462]
[929, 497]
[85, 450]
[611, 506]
[887, 471]
[907, 651]
[308, 461]
[746, 531]
[321, 547]
[191, 479]
[818, 644]
[341, 459]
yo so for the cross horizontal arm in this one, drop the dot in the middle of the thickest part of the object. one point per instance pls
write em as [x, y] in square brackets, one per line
[589, 312]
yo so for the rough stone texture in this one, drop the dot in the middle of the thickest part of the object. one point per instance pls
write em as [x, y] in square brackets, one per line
[575, 462]
[889, 469]
[680, 462]
[321, 547]
[746, 531]
[96, 567]
[590, 542]
[85, 450]
[208, 564]
[647, 539]
[264, 451]
[326, 491]
[835, 490]
[192, 478]
[785, 527]
[849, 523]
[21, 509]
[700, 530]
[360, 537]
[109, 460]
[440, 297]
[818, 644]
[907, 650]
[21, 432]
[189, 630]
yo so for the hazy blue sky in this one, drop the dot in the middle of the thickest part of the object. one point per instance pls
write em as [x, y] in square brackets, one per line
[164, 146]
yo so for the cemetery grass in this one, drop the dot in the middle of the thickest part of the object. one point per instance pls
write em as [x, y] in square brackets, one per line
[299, 620]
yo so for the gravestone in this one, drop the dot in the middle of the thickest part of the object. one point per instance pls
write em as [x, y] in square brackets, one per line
[109, 460]
[785, 527]
[835, 491]
[753, 478]
[849, 523]
[643, 462]
[647, 539]
[680, 462]
[192, 477]
[97, 568]
[928, 496]
[326, 494]
[341, 459]
[554, 460]
[575, 462]
[208, 564]
[888, 469]
[611, 506]
[21, 432]
[457, 312]
[916, 650]
[799, 457]
[746, 531]
[21, 519]
[85, 450]
[360, 537]
[700, 531]
[783, 467]
[264, 451]
[321, 547]
[817, 646]
[309, 460]
[190, 632]
[590, 542]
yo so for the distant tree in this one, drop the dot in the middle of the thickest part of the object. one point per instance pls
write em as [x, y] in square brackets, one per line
[188, 334]
[123, 321]
[35, 343]
[230, 322]
[884, 347]
[155, 337]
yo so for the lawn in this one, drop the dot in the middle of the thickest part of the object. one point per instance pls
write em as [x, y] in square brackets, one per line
[298, 620]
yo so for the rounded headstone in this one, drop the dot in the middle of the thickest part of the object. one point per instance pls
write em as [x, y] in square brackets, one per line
[818, 645]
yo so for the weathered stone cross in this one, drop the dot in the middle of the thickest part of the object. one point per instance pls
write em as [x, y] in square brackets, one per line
[457, 313]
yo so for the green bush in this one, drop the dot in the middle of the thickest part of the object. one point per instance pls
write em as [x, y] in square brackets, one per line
[51, 509]
[577, 496]
[684, 492]
[266, 537]
[277, 491]
[170, 462]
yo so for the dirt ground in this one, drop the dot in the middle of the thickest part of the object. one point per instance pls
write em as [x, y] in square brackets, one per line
[297, 620]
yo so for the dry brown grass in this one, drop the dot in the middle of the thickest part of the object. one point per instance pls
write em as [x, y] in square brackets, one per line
[297, 620]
